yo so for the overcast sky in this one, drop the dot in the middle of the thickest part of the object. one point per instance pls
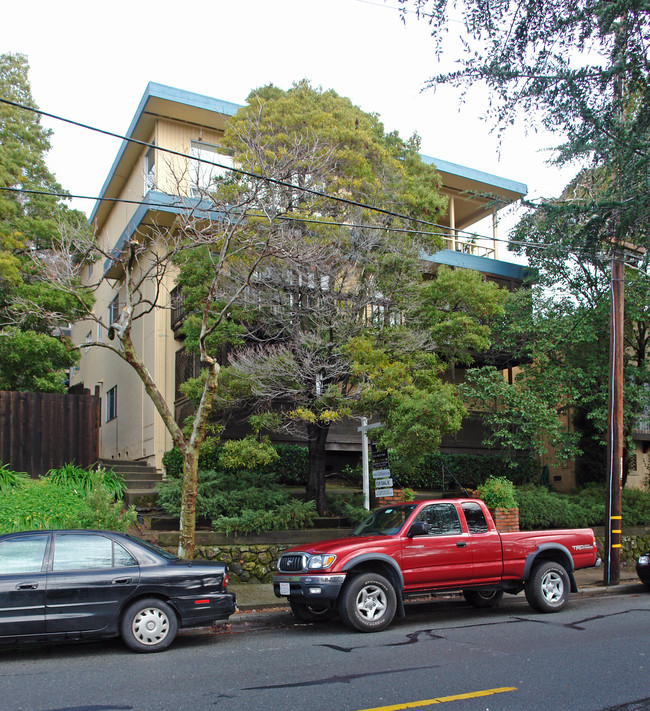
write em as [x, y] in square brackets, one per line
[92, 61]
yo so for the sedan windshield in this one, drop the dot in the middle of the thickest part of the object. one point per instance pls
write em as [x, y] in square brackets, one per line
[385, 522]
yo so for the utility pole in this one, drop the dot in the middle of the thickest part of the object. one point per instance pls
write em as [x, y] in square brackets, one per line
[615, 422]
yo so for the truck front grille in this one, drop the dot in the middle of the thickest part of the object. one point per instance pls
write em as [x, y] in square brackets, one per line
[291, 563]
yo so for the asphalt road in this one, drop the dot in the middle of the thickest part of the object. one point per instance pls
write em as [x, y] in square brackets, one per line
[592, 656]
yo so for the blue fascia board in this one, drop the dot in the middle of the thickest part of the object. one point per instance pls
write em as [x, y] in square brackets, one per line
[159, 202]
[477, 175]
[167, 93]
[451, 258]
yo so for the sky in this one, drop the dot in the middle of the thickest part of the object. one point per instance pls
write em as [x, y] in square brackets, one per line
[91, 62]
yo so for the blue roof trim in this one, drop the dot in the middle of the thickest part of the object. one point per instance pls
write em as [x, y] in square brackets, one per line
[478, 175]
[161, 202]
[509, 270]
[168, 93]
[199, 101]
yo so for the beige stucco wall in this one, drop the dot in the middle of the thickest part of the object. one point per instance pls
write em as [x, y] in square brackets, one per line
[138, 431]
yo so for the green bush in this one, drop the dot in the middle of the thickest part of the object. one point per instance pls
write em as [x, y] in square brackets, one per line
[498, 493]
[10, 479]
[85, 480]
[469, 470]
[290, 467]
[290, 516]
[348, 506]
[44, 503]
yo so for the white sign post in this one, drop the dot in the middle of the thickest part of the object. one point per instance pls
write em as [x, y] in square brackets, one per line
[365, 465]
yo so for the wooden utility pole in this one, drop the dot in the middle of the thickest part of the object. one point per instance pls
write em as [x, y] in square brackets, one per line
[615, 423]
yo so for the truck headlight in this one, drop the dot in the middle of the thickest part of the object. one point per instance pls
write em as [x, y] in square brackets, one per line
[320, 561]
[644, 560]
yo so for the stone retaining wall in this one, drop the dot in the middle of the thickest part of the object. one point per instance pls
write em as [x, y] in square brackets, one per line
[632, 546]
[246, 564]
[257, 563]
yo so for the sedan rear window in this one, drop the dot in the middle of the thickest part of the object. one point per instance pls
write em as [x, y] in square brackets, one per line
[82, 552]
[23, 555]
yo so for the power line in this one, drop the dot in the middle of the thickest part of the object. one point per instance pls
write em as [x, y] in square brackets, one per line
[241, 171]
[446, 234]
[449, 230]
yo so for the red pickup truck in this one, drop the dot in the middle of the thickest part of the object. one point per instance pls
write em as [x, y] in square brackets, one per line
[405, 550]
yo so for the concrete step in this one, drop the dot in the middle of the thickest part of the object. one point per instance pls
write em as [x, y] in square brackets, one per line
[141, 498]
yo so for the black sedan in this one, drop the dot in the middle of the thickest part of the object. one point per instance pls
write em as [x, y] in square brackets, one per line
[643, 568]
[68, 585]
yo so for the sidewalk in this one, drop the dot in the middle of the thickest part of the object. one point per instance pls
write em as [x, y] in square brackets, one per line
[256, 598]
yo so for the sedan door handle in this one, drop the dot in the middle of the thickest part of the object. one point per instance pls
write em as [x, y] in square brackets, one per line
[122, 581]
[26, 586]
[461, 544]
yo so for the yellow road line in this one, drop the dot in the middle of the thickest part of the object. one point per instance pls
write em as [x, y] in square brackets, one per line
[443, 699]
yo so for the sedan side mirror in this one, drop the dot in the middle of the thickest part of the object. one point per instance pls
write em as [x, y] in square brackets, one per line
[418, 529]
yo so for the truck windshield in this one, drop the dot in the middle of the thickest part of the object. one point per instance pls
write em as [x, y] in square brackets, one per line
[385, 522]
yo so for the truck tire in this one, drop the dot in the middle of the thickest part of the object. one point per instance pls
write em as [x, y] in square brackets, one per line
[368, 603]
[306, 612]
[548, 588]
[483, 598]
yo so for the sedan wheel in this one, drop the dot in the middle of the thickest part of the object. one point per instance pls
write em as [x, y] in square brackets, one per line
[149, 626]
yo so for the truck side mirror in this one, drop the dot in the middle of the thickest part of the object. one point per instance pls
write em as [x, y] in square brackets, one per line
[418, 529]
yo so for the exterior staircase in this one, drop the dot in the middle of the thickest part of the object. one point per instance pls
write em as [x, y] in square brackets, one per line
[141, 480]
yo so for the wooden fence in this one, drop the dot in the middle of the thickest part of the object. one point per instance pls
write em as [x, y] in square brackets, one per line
[42, 431]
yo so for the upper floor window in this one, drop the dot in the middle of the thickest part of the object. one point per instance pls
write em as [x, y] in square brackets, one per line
[114, 311]
[203, 174]
[149, 169]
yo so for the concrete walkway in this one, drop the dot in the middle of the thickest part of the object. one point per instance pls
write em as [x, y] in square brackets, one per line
[254, 598]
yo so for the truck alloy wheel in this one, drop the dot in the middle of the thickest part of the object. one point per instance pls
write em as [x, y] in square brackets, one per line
[368, 603]
[547, 590]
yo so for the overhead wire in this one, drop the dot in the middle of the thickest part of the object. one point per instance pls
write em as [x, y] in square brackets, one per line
[448, 233]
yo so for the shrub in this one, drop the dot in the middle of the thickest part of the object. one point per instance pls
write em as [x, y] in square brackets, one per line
[540, 508]
[290, 467]
[10, 479]
[469, 470]
[498, 493]
[84, 480]
[292, 515]
[348, 506]
[44, 503]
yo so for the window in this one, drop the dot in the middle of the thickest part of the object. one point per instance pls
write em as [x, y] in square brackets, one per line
[111, 404]
[89, 270]
[99, 333]
[203, 175]
[149, 170]
[89, 339]
[442, 519]
[476, 522]
[88, 552]
[114, 311]
[23, 555]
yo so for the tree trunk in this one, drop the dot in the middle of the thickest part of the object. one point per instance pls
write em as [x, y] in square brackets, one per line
[317, 437]
[187, 527]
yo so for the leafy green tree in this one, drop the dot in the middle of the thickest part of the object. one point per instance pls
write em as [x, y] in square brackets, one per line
[32, 355]
[344, 298]
[579, 69]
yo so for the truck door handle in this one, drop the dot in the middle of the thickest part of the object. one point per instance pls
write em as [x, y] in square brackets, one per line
[26, 586]
[461, 544]
[122, 581]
